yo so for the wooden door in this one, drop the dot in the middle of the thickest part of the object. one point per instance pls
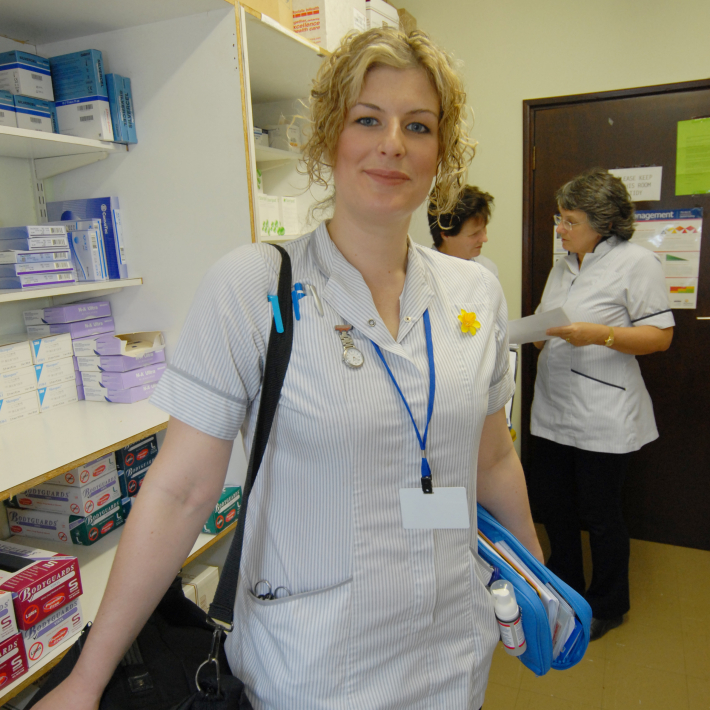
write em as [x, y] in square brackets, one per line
[667, 496]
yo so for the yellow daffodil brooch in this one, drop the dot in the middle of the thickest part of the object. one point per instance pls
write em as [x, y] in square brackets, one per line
[469, 323]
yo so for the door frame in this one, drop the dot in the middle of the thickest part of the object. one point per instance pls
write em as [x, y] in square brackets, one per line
[530, 108]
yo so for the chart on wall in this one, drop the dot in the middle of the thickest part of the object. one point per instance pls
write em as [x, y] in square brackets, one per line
[675, 236]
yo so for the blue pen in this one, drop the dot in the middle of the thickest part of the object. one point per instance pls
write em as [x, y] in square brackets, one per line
[277, 313]
[296, 295]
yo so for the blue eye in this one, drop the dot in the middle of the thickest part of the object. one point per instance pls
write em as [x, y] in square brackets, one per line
[367, 121]
[418, 128]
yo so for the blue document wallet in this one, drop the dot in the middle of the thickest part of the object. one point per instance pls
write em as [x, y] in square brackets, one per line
[536, 624]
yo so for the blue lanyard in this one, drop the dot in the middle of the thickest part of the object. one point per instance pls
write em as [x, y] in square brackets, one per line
[426, 470]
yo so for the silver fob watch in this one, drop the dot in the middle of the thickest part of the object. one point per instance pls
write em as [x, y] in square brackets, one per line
[352, 357]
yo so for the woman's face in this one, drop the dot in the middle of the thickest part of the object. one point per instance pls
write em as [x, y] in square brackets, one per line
[467, 244]
[581, 239]
[388, 149]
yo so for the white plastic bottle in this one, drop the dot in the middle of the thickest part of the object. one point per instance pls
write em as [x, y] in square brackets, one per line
[509, 616]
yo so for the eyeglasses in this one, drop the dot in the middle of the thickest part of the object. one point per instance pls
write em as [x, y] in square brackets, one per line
[569, 226]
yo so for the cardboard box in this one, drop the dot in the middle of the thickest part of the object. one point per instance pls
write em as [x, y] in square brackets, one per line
[12, 409]
[88, 255]
[44, 584]
[269, 218]
[87, 117]
[27, 74]
[133, 344]
[79, 329]
[31, 257]
[94, 393]
[72, 499]
[285, 136]
[115, 363]
[35, 243]
[57, 395]
[8, 113]
[13, 659]
[80, 393]
[130, 113]
[326, 22]
[8, 624]
[199, 583]
[381, 14]
[261, 136]
[130, 457]
[77, 529]
[78, 74]
[17, 382]
[80, 476]
[68, 314]
[61, 278]
[50, 347]
[122, 380]
[31, 230]
[15, 352]
[288, 214]
[226, 511]
[35, 114]
[279, 10]
[52, 631]
[53, 373]
[407, 21]
[37, 267]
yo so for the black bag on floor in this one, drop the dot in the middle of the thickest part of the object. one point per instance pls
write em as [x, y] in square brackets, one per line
[178, 660]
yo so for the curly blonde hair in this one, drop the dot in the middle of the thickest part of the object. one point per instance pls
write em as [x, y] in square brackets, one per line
[339, 82]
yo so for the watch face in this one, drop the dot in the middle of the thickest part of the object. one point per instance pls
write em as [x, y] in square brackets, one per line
[353, 357]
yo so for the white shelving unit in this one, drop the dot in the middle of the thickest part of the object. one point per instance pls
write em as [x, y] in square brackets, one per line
[94, 566]
[74, 292]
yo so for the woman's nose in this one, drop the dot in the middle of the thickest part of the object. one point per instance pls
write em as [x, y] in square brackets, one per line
[392, 142]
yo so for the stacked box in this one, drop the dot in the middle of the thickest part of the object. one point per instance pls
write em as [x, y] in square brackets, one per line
[77, 329]
[8, 624]
[124, 344]
[326, 22]
[25, 261]
[8, 112]
[17, 401]
[226, 511]
[46, 635]
[130, 114]
[35, 114]
[26, 74]
[88, 472]
[93, 256]
[121, 103]
[107, 211]
[381, 14]
[199, 583]
[70, 313]
[13, 659]
[133, 462]
[31, 257]
[81, 97]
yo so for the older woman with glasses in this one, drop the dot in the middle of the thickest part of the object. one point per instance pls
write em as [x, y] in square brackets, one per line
[591, 408]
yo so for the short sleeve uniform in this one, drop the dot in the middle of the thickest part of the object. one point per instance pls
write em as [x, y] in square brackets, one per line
[593, 397]
[488, 263]
[379, 616]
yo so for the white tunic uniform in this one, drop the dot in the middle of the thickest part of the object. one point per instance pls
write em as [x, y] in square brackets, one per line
[594, 397]
[379, 616]
[488, 263]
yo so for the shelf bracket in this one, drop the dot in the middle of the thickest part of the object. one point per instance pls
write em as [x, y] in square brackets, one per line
[49, 167]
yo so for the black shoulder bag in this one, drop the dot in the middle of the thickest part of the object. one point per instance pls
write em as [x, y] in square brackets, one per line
[178, 660]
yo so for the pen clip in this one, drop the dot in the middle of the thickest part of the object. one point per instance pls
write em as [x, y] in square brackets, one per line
[277, 313]
[316, 298]
[296, 295]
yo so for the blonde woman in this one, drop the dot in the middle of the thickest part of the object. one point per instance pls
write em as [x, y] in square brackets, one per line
[379, 615]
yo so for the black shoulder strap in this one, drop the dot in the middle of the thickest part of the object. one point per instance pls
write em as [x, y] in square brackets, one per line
[278, 355]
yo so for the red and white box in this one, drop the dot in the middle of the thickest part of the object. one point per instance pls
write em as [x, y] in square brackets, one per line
[49, 633]
[13, 661]
[8, 625]
[71, 499]
[41, 586]
[78, 477]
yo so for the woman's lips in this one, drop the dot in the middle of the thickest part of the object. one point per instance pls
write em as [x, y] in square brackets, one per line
[387, 177]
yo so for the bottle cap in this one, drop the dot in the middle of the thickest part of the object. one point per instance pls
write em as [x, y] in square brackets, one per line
[506, 606]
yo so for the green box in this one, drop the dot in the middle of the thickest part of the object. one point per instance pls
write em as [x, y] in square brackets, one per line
[226, 510]
[87, 530]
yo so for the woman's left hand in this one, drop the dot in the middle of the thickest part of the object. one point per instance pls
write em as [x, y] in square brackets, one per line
[581, 334]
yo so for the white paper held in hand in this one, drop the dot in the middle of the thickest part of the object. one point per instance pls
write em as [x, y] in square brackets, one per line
[532, 328]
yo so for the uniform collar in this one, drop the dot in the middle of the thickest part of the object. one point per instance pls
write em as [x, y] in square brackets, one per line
[600, 251]
[347, 292]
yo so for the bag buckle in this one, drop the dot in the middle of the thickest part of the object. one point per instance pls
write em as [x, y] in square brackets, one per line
[212, 658]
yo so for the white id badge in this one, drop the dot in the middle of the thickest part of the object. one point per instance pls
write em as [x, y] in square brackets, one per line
[445, 508]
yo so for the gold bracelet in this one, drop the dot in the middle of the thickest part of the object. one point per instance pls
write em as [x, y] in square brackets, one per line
[610, 340]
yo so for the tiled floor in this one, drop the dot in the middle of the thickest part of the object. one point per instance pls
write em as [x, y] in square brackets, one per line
[659, 659]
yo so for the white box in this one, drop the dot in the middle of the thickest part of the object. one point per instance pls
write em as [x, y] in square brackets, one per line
[72, 500]
[26, 74]
[80, 476]
[57, 395]
[204, 580]
[381, 14]
[8, 113]
[285, 136]
[269, 218]
[288, 214]
[261, 136]
[17, 382]
[15, 408]
[87, 255]
[53, 373]
[8, 624]
[46, 635]
[15, 352]
[326, 22]
[86, 118]
[51, 347]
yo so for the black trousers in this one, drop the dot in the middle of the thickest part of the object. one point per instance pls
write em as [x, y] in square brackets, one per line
[570, 487]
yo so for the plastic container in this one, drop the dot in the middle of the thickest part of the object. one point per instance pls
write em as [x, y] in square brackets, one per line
[509, 616]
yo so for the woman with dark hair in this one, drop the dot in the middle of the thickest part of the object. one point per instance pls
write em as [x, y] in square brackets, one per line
[591, 407]
[462, 232]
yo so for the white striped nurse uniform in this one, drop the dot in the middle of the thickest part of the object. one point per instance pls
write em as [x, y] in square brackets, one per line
[379, 617]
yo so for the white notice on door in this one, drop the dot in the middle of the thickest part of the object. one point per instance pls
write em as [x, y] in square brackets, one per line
[643, 184]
